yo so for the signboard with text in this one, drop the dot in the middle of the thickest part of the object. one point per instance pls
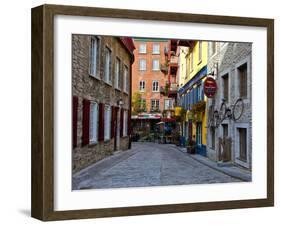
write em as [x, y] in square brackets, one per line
[210, 87]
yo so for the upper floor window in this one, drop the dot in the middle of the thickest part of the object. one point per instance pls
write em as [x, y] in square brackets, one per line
[225, 83]
[142, 64]
[142, 86]
[117, 73]
[155, 49]
[242, 78]
[142, 48]
[126, 79]
[200, 52]
[107, 66]
[155, 65]
[191, 61]
[155, 86]
[94, 56]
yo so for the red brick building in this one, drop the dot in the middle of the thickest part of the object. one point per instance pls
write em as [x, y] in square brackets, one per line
[150, 78]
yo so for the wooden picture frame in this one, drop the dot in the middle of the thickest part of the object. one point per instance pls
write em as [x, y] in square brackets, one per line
[43, 119]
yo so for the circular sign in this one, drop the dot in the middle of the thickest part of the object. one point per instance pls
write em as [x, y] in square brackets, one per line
[210, 87]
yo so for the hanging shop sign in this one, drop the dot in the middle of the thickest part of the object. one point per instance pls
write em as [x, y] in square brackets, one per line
[210, 87]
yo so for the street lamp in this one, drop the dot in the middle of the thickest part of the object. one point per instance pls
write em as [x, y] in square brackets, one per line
[120, 102]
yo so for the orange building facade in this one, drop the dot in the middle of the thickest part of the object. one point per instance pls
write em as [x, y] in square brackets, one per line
[149, 76]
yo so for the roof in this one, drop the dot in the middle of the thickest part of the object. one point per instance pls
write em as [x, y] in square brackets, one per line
[128, 43]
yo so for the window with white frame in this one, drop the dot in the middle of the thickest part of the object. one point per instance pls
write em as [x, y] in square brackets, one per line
[155, 86]
[125, 123]
[107, 122]
[155, 48]
[107, 66]
[126, 79]
[142, 48]
[93, 123]
[142, 64]
[168, 104]
[155, 104]
[155, 65]
[94, 57]
[117, 73]
[142, 85]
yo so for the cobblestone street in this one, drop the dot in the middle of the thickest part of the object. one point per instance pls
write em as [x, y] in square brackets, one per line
[148, 164]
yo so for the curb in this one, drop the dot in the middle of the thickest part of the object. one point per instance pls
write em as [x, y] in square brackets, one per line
[229, 172]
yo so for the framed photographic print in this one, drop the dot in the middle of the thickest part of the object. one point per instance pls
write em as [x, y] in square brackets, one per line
[141, 112]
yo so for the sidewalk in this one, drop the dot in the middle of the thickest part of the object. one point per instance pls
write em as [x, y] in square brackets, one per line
[231, 170]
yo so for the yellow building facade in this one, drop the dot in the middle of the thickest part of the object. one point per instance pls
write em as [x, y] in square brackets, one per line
[191, 93]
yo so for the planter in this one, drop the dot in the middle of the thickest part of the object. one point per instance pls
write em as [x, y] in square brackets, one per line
[191, 149]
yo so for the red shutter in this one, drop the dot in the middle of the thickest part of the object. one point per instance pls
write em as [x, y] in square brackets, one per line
[101, 122]
[113, 119]
[121, 122]
[85, 122]
[74, 120]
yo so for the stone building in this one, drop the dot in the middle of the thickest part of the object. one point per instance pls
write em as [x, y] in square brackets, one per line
[101, 89]
[229, 125]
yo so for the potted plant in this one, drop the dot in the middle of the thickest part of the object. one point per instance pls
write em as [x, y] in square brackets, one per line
[191, 145]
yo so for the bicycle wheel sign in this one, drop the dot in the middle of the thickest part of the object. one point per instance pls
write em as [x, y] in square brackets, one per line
[210, 87]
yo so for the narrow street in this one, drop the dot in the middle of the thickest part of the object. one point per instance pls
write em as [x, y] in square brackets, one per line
[148, 164]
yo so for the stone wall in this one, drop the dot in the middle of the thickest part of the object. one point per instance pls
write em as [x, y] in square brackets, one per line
[228, 57]
[85, 86]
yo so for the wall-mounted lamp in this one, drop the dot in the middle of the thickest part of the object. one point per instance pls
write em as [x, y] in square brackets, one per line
[120, 102]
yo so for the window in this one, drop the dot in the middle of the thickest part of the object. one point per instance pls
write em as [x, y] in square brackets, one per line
[155, 86]
[142, 48]
[156, 49]
[107, 122]
[168, 104]
[200, 52]
[125, 123]
[225, 83]
[117, 73]
[242, 144]
[242, 78]
[126, 79]
[154, 105]
[142, 85]
[94, 57]
[107, 66]
[155, 65]
[142, 64]
[213, 137]
[224, 130]
[200, 92]
[191, 61]
[213, 48]
[93, 123]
